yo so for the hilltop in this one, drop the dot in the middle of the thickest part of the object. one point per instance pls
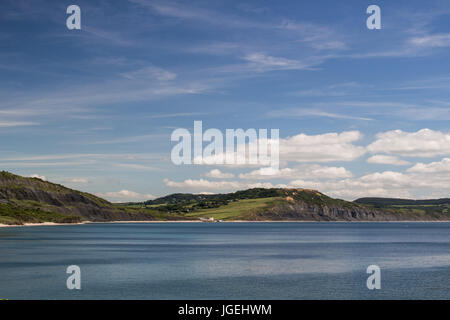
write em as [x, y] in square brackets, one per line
[284, 204]
[428, 206]
[384, 202]
[25, 199]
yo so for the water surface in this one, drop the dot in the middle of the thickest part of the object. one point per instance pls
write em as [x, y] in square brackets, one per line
[226, 260]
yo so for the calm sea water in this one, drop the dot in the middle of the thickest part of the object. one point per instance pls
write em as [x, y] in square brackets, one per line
[227, 261]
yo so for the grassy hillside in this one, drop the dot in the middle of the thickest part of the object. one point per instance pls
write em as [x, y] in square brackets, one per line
[284, 204]
[430, 207]
[237, 210]
[15, 215]
[384, 202]
[33, 200]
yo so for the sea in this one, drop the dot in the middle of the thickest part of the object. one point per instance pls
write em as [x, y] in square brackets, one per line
[267, 260]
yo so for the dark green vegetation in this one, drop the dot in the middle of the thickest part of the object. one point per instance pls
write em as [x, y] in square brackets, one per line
[428, 206]
[25, 200]
[33, 200]
[186, 202]
[384, 202]
[284, 204]
[11, 214]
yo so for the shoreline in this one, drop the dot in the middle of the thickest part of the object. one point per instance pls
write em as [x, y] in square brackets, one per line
[30, 224]
[198, 221]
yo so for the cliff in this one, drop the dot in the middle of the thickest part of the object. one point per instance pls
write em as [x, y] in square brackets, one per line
[34, 200]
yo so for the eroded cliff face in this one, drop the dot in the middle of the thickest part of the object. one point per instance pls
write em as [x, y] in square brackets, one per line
[32, 193]
[18, 194]
[302, 211]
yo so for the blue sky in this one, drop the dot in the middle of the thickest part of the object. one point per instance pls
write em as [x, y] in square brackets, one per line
[365, 111]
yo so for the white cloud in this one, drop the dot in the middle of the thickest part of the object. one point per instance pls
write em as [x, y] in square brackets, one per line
[132, 161]
[150, 73]
[219, 185]
[302, 148]
[199, 14]
[317, 36]
[131, 139]
[423, 143]
[125, 196]
[38, 176]
[326, 147]
[216, 173]
[313, 171]
[435, 40]
[203, 184]
[384, 159]
[262, 62]
[73, 181]
[301, 113]
[85, 99]
[7, 124]
[136, 166]
[351, 189]
[384, 184]
[333, 90]
[259, 62]
[441, 167]
[78, 180]
[419, 181]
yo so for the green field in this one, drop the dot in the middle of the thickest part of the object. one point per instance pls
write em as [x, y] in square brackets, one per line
[234, 210]
[25, 200]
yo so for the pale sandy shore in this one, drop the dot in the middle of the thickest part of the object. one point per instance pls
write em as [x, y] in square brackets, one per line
[150, 221]
[89, 222]
[198, 221]
[40, 224]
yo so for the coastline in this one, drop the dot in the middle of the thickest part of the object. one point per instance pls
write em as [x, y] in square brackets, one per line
[42, 224]
[198, 221]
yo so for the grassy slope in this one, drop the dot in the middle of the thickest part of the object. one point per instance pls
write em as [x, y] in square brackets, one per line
[241, 205]
[17, 207]
[428, 207]
[383, 202]
[238, 210]
[421, 210]
[12, 215]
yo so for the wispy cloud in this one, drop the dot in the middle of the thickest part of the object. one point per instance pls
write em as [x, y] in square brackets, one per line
[8, 124]
[125, 161]
[435, 40]
[151, 73]
[181, 11]
[384, 159]
[257, 63]
[108, 36]
[317, 36]
[300, 113]
[262, 62]
[144, 84]
[140, 138]
[333, 90]
[125, 196]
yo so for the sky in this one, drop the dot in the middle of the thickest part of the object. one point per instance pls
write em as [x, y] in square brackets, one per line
[360, 112]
